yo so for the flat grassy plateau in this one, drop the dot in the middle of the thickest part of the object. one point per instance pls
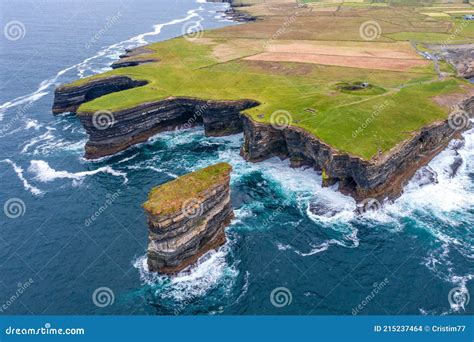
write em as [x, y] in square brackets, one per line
[295, 60]
[170, 197]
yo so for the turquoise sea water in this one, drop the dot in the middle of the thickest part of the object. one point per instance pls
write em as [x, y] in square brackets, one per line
[414, 256]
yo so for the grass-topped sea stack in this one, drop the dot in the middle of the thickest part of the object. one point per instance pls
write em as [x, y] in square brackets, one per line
[187, 218]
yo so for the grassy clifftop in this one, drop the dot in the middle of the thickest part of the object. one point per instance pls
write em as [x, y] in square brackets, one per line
[294, 59]
[170, 197]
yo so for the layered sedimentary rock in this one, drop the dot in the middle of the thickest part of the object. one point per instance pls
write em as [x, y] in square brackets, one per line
[125, 128]
[187, 218]
[112, 132]
[134, 57]
[460, 56]
[68, 98]
[379, 178]
[231, 13]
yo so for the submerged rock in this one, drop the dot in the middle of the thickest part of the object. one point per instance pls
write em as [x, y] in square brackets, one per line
[460, 56]
[324, 208]
[425, 176]
[455, 165]
[187, 218]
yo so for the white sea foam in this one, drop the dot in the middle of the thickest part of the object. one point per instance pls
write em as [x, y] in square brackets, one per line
[449, 194]
[156, 169]
[44, 173]
[19, 172]
[241, 213]
[194, 282]
[124, 160]
[111, 53]
[317, 249]
[48, 136]
[32, 123]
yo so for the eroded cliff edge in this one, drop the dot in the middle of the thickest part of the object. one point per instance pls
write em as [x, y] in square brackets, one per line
[112, 132]
[461, 57]
[187, 218]
[155, 110]
[379, 178]
[69, 98]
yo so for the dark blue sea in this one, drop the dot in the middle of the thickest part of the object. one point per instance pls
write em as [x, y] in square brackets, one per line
[73, 234]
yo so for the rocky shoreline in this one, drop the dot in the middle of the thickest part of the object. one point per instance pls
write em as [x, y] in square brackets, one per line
[122, 129]
[69, 98]
[461, 57]
[380, 178]
[179, 236]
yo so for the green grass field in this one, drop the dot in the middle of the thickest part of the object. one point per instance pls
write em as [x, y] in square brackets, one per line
[171, 196]
[214, 67]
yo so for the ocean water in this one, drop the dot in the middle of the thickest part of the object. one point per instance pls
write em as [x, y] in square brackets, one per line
[73, 234]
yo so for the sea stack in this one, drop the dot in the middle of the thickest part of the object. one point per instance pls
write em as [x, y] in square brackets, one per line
[187, 218]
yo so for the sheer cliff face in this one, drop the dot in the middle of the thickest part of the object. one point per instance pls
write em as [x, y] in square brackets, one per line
[380, 178]
[178, 238]
[69, 98]
[126, 128]
[112, 132]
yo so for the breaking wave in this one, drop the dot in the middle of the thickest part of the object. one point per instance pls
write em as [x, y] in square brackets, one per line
[211, 273]
[19, 172]
[45, 173]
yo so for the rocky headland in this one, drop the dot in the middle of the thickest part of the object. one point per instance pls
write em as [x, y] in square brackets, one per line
[113, 132]
[460, 57]
[69, 98]
[134, 57]
[379, 178]
[187, 218]
[362, 176]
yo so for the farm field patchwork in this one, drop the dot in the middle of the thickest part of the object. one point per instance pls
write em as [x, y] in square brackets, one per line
[294, 58]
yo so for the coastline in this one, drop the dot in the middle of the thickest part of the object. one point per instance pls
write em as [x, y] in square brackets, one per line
[381, 177]
[85, 216]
